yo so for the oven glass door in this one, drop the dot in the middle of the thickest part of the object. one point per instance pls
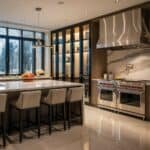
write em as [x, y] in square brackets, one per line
[106, 95]
[130, 99]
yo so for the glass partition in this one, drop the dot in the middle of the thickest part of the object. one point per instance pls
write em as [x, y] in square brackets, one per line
[76, 52]
[68, 55]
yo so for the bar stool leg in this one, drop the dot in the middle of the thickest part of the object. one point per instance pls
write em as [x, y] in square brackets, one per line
[28, 118]
[81, 113]
[3, 120]
[10, 119]
[38, 121]
[64, 115]
[20, 126]
[69, 115]
[50, 114]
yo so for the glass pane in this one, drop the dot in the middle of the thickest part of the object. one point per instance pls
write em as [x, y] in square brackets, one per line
[60, 37]
[38, 59]
[76, 65]
[106, 95]
[76, 53]
[68, 58]
[14, 47]
[27, 56]
[86, 32]
[2, 31]
[2, 56]
[86, 50]
[85, 57]
[54, 65]
[14, 32]
[28, 34]
[38, 35]
[68, 66]
[54, 38]
[60, 60]
[130, 99]
[68, 35]
[76, 34]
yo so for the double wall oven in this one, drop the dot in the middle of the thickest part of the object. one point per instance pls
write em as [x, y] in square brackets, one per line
[123, 96]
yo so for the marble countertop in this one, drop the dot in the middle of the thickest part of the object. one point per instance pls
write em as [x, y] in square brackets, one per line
[12, 86]
[16, 78]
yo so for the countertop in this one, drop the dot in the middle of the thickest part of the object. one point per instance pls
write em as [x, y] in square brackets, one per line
[147, 82]
[16, 78]
[12, 86]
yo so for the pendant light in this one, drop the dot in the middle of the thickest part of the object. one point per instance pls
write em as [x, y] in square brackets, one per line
[38, 43]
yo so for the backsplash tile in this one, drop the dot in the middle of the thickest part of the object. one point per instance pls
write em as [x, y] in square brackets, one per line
[129, 64]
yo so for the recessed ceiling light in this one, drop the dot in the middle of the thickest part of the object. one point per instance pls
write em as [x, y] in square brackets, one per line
[61, 2]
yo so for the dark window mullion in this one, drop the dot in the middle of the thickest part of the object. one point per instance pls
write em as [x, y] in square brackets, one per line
[64, 55]
[7, 53]
[72, 53]
[81, 52]
[57, 57]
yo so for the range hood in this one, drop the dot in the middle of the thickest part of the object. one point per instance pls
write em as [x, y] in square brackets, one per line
[128, 29]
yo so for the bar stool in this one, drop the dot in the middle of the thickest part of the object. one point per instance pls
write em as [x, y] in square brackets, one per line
[74, 95]
[3, 99]
[27, 101]
[55, 97]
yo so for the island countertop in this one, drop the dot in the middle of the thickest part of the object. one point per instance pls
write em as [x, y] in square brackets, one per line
[12, 86]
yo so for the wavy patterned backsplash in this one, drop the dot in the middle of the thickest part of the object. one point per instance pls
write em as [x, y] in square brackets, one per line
[129, 64]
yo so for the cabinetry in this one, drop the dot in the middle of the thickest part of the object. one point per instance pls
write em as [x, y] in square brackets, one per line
[71, 54]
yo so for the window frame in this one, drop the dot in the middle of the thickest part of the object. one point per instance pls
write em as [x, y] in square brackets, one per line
[21, 41]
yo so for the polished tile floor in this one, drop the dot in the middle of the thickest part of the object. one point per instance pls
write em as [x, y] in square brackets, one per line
[102, 130]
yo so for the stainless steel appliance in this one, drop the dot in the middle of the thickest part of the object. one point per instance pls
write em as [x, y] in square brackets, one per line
[128, 29]
[107, 94]
[131, 97]
[121, 95]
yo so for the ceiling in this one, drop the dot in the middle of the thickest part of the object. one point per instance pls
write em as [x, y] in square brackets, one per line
[54, 16]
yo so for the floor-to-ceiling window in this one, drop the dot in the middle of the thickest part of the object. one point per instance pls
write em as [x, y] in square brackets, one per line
[16, 51]
[28, 56]
[14, 56]
[2, 55]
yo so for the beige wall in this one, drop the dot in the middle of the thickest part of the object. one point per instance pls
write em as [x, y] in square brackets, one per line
[118, 62]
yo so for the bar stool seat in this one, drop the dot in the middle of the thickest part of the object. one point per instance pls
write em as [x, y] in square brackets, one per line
[74, 94]
[55, 97]
[26, 101]
[3, 100]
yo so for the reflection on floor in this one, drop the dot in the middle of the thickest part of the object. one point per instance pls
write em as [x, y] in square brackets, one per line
[102, 130]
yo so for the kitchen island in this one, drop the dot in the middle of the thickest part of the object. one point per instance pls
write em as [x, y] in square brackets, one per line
[16, 86]
[13, 89]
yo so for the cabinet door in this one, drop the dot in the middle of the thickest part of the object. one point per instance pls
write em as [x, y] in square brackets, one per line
[68, 54]
[54, 55]
[76, 52]
[60, 50]
[86, 48]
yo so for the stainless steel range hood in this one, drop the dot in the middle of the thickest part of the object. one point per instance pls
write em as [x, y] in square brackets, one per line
[129, 29]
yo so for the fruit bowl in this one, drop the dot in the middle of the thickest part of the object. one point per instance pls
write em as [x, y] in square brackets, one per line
[28, 76]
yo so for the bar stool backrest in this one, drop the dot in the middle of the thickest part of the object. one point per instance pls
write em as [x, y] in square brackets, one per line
[3, 99]
[56, 96]
[29, 99]
[75, 94]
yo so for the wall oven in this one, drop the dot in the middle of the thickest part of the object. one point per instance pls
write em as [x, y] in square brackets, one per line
[131, 98]
[106, 94]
